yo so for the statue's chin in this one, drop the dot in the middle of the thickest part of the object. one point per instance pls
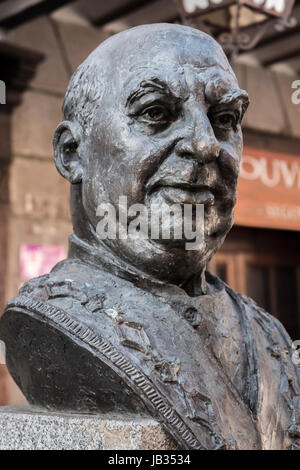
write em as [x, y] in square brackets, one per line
[166, 262]
[171, 260]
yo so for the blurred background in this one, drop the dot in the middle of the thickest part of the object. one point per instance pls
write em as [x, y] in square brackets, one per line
[41, 44]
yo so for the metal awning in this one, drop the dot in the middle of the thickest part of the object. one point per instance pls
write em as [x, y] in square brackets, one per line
[276, 48]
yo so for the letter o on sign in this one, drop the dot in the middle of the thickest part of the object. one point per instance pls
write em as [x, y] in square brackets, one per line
[250, 168]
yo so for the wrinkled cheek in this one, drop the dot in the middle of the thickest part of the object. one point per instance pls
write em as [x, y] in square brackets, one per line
[92, 196]
[229, 166]
[142, 160]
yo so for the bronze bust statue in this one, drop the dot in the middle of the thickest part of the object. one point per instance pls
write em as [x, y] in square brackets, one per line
[137, 324]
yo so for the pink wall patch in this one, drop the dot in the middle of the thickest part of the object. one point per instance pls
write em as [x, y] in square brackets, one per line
[36, 260]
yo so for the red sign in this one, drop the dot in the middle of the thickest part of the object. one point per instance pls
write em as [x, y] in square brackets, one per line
[269, 190]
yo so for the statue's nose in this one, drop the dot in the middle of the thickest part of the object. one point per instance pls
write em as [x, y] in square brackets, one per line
[199, 141]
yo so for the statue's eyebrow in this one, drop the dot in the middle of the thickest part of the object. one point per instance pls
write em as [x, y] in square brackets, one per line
[233, 97]
[149, 86]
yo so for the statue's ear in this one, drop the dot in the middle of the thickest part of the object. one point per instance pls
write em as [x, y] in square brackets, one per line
[66, 142]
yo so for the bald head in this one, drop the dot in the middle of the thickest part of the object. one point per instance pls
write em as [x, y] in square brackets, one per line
[125, 56]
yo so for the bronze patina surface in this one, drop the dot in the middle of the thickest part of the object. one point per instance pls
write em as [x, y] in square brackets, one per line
[131, 325]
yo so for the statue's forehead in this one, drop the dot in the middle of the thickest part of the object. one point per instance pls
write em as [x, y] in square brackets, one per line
[179, 60]
[180, 78]
[167, 44]
[182, 52]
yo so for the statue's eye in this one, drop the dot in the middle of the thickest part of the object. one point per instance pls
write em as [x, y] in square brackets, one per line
[157, 114]
[224, 120]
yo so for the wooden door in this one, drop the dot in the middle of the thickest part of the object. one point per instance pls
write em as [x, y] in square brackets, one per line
[271, 276]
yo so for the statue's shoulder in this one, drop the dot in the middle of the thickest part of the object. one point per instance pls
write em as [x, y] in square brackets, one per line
[69, 348]
[69, 280]
[267, 324]
[62, 351]
[264, 318]
[34, 286]
[268, 330]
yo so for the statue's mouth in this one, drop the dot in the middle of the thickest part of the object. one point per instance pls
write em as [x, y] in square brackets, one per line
[186, 194]
[182, 193]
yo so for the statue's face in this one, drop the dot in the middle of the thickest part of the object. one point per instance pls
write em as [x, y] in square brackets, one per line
[167, 131]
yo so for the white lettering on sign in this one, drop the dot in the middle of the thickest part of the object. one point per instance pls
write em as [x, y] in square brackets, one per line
[279, 211]
[277, 172]
[190, 6]
[277, 5]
